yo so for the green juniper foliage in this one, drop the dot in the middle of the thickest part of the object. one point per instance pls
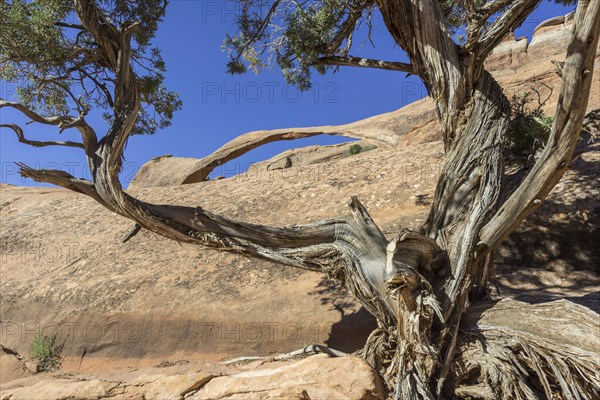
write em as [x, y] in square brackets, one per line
[52, 60]
[294, 35]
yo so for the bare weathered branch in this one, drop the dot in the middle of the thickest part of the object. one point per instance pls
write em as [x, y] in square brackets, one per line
[492, 7]
[481, 45]
[303, 352]
[350, 61]
[347, 27]
[63, 122]
[100, 86]
[36, 143]
[131, 233]
[69, 25]
[556, 157]
[62, 179]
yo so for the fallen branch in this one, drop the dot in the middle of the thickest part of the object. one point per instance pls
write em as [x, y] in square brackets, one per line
[131, 233]
[308, 350]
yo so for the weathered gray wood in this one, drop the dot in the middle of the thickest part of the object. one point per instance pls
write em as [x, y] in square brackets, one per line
[570, 110]
[509, 345]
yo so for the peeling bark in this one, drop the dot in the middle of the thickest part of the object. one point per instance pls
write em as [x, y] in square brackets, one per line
[570, 110]
[515, 350]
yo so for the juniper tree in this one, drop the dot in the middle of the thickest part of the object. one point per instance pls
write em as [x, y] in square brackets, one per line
[418, 284]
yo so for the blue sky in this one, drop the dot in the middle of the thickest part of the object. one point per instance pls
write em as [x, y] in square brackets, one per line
[218, 107]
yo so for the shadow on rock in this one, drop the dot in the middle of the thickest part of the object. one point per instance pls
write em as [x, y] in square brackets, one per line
[350, 333]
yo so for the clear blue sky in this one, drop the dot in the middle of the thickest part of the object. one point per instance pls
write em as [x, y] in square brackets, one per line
[218, 107]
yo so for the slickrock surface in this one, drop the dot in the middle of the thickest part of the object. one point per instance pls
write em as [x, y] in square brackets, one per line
[316, 377]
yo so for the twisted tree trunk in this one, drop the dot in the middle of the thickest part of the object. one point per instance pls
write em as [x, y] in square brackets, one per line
[475, 115]
[466, 197]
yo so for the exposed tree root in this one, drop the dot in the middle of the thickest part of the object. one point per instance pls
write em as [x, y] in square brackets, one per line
[515, 350]
[506, 350]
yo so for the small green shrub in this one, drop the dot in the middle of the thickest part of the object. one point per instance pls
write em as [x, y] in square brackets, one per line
[355, 149]
[529, 127]
[46, 351]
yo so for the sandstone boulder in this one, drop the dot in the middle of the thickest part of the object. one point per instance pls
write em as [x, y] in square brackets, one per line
[317, 377]
[551, 36]
[281, 163]
[162, 171]
[12, 366]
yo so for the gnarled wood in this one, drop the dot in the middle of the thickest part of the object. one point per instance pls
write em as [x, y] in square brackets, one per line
[515, 350]
[570, 110]
[37, 143]
[351, 61]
